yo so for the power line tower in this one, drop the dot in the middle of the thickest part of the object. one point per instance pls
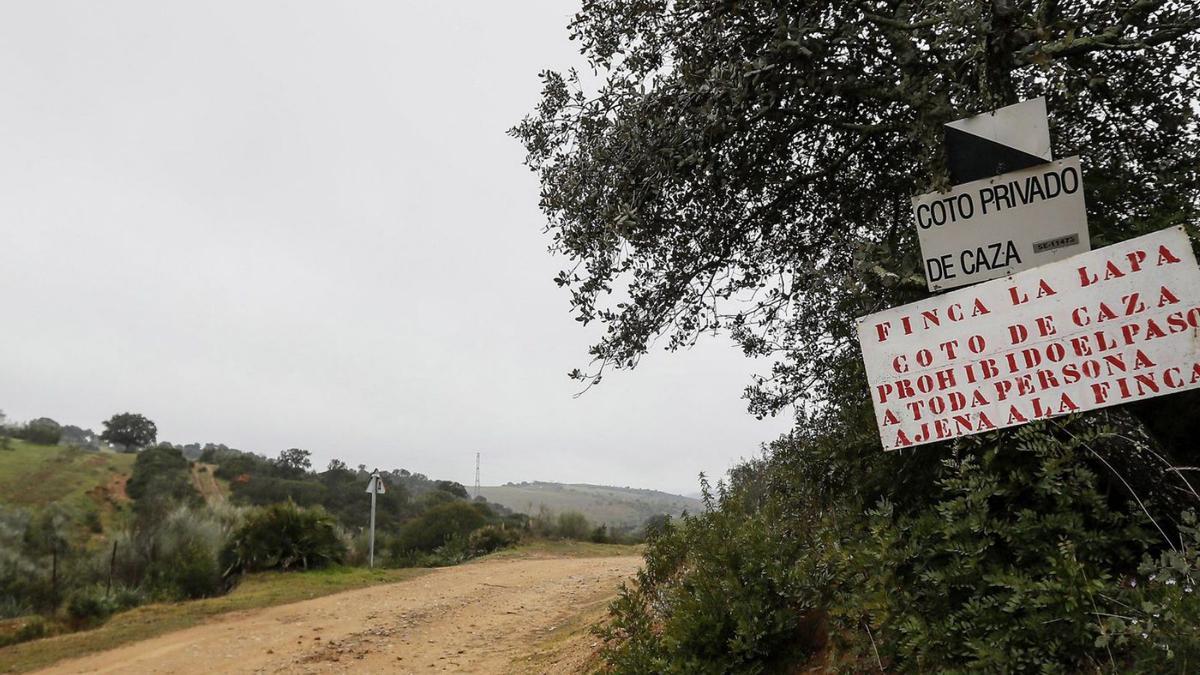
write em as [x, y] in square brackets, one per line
[477, 475]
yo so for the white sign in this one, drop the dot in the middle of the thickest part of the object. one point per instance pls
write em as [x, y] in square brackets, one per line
[991, 228]
[375, 484]
[1115, 325]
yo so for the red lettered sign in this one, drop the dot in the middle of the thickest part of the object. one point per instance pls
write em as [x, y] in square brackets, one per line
[1114, 325]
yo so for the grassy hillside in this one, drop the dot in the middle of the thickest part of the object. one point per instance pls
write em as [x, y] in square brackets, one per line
[38, 475]
[614, 506]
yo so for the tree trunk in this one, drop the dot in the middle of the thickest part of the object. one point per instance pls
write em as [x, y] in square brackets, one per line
[996, 86]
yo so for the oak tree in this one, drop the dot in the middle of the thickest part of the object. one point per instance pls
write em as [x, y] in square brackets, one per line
[747, 167]
[130, 431]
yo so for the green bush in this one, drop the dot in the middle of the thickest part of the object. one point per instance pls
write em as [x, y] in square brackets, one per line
[177, 557]
[456, 550]
[1159, 622]
[192, 570]
[437, 526]
[42, 431]
[160, 482]
[90, 605]
[125, 597]
[358, 548]
[264, 490]
[721, 592]
[284, 536]
[492, 538]
[1025, 553]
[572, 525]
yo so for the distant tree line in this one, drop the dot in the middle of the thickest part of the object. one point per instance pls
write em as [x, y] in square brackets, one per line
[129, 431]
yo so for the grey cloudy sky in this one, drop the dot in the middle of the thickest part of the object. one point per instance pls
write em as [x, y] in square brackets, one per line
[278, 224]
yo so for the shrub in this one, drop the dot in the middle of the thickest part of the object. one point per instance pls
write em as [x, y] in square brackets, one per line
[42, 431]
[191, 571]
[720, 592]
[20, 572]
[178, 557]
[492, 538]
[90, 605]
[125, 597]
[656, 525]
[158, 470]
[1160, 613]
[1019, 556]
[92, 521]
[438, 525]
[573, 525]
[284, 536]
[186, 560]
[456, 550]
[542, 524]
[263, 490]
[160, 482]
[453, 488]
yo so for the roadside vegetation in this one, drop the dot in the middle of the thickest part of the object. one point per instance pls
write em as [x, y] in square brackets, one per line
[261, 589]
[747, 169]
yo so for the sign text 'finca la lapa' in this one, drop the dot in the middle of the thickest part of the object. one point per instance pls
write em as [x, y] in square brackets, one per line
[1114, 325]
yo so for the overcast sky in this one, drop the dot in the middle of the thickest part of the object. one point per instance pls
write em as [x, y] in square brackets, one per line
[279, 224]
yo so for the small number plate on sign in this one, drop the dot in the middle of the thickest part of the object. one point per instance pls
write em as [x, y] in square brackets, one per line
[1055, 243]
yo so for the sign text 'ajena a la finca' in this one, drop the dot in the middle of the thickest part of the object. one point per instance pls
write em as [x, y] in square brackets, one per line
[1110, 326]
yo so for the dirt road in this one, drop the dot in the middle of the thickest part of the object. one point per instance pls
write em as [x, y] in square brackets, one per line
[205, 482]
[491, 616]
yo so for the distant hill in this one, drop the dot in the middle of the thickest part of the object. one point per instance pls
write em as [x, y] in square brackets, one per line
[614, 506]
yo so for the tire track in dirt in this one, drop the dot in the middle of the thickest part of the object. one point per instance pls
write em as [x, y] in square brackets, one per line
[488, 616]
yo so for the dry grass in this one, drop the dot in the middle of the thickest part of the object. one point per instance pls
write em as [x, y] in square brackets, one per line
[259, 590]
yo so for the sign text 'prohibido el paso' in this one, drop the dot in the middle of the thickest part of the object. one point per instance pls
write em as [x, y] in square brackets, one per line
[1114, 325]
[993, 227]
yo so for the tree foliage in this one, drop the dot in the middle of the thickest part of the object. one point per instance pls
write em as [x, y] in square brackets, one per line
[43, 431]
[160, 481]
[131, 431]
[284, 536]
[746, 169]
[747, 166]
[438, 525]
[294, 461]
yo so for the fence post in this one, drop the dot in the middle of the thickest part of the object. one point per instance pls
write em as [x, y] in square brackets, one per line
[54, 571]
[112, 563]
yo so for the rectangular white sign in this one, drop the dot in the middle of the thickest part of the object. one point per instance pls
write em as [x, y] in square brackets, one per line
[994, 227]
[1114, 325]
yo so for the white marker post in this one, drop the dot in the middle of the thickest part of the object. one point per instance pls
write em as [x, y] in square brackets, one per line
[374, 486]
